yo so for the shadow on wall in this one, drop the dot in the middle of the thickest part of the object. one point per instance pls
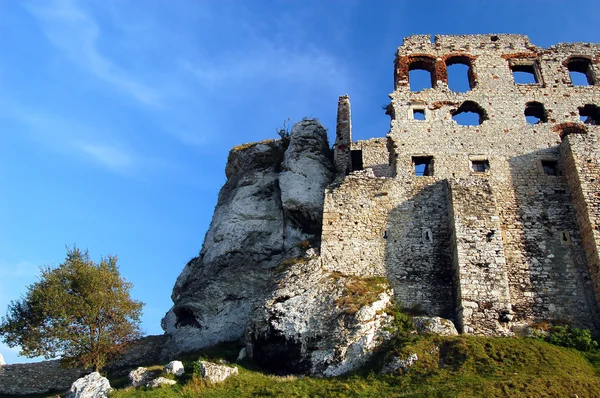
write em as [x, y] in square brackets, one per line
[548, 274]
[417, 251]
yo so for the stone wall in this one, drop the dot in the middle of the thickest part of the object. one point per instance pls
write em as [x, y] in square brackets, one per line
[36, 378]
[544, 188]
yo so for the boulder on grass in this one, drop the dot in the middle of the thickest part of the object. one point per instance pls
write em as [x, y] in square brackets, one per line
[142, 376]
[216, 373]
[174, 368]
[161, 381]
[434, 325]
[403, 364]
[90, 386]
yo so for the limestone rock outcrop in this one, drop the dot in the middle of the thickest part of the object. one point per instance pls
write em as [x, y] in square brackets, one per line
[434, 325]
[2, 360]
[317, 322]
[90, 386]
[271, 202]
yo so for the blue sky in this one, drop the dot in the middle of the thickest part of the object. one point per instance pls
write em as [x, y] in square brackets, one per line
[117, 116]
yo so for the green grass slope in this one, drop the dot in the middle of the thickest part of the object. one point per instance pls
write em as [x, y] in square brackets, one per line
[463, 366]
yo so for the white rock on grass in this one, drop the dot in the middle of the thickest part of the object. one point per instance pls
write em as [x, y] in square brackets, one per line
[174, 368]
[141, 376]
[90, 386]
[434, 325]
[216, 373]
[161, 381]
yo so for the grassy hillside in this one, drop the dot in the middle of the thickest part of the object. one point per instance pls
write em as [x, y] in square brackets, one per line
[463, 366]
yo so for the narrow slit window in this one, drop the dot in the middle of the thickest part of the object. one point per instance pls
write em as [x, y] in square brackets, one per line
[357, 160]
[550, 167]
[419, 114]
[524, 73]
[423, 165]
[581, 72]
[480, 166]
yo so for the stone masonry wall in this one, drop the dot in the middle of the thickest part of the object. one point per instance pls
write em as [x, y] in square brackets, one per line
[547, 218]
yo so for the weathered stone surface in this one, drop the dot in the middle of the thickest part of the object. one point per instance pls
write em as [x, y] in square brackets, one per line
[491, 224]
[90, 386]
[305, 326]
[400, 364]
[175, 368]
[255, 224]
[306, 171]
[216, 373]
[142, 376]
[160, 381]
[434, 325]
[144, 351]
[36, 378]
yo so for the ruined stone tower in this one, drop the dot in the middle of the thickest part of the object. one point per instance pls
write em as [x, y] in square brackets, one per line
[495, 225]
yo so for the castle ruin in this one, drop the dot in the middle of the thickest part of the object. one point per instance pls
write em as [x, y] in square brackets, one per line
[495, 225]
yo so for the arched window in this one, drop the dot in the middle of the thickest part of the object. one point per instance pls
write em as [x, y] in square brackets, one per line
[469, 113]
[589, 114]
[460, 74]
[581, 72]
[421, 73]
[535, 113]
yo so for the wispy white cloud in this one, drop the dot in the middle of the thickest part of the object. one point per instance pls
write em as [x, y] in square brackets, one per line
[265, 60]
[74, 31]
[109, 156]
[22, 269]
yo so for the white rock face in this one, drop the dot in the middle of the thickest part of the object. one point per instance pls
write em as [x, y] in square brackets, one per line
[255, 225]
[2, 360]
[175, 368]
[434, 325]
[90, 386]
[161, 381]
[303, 329]
[305, 174]
[141, 376]
[216, 373]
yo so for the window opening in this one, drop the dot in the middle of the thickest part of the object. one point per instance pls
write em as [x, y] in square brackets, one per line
[581, 72]
[460, 74]
[419, 114]
[589, 114]
[494, 38]
[419, 80]
[469, 113]
[423, 165]
[524, 73]
[421, 74]
[357, 160]
[480, 166]
[535, 113]
[550, 167]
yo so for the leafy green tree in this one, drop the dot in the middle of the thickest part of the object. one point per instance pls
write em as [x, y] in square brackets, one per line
[80, 311]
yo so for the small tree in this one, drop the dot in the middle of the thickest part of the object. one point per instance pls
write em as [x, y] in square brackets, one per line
[80, 311]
